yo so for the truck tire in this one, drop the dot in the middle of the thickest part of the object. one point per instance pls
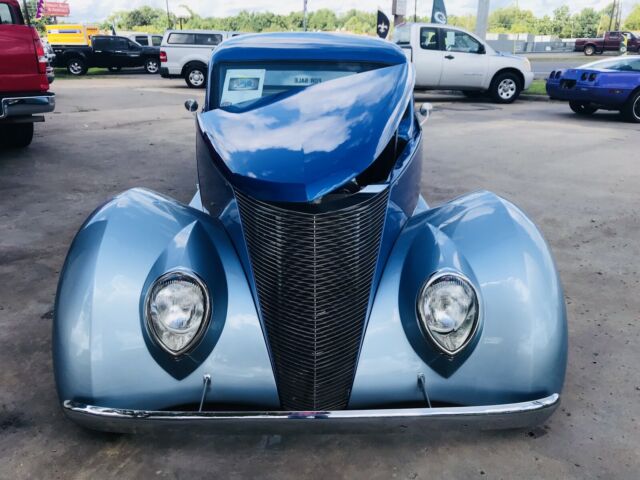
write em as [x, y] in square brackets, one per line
[76, 66]
[582, 108]
[152, 65]
[195, 76]
[631, 109]
[505, 87]
[16, 135]
[589, 50]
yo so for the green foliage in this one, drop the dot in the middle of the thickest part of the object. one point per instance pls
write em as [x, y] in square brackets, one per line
[586, 23]
[632, 22]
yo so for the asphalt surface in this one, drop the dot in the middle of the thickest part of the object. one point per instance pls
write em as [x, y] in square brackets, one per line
[577, 178]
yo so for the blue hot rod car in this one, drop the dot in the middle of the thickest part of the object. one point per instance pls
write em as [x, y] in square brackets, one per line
[308, 282]
[612, 84]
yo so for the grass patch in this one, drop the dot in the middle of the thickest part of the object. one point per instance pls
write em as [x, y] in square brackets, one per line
[537, 88]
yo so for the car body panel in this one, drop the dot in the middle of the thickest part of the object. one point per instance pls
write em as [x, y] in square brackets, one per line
[303, 147]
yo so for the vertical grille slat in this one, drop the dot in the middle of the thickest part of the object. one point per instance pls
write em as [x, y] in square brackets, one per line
[313, 274]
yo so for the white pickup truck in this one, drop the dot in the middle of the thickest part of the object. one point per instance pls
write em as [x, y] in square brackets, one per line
[450, 58]
[186, 54]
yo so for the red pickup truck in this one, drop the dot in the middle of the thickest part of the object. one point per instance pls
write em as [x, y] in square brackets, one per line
[24, 88]
[612, 42]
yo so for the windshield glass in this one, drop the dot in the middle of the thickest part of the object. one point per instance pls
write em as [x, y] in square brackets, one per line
[243, 86]
[627, 64]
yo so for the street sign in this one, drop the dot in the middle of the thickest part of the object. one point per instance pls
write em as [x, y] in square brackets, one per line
[56, 9]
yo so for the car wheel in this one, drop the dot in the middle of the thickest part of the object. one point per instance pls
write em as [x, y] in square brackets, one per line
[589, 50]
[115, 69]
[582, 108]
[631, 109]
[505, 88]
[76, 66]
[195, 77]
[152, 65]
[17, 135]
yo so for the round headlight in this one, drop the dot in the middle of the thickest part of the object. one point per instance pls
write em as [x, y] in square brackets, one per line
[448, 309]
[177, 311]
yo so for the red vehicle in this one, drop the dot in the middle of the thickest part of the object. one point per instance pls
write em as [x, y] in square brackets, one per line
[24, 88]
[612, 42]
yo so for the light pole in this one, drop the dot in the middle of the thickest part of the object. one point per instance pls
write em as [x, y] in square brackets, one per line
[304, 16]
[168, 17]
[482, 18]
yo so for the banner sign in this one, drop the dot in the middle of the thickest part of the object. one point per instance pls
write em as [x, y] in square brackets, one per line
[56, 9]
[399, 7]
[439, 13]
[383, 25]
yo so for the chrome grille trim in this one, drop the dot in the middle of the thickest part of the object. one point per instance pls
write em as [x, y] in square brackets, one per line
[313, 274]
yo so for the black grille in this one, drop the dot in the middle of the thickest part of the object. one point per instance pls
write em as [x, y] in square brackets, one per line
[313, 274]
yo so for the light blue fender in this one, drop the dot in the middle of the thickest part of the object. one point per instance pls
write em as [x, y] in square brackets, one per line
[520, 351]
[102, 357]
[100, 351]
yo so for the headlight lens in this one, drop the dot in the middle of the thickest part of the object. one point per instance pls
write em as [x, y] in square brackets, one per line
[177, 311]
[448, 309]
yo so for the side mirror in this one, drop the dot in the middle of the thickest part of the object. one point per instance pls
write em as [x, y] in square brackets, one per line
[425, 112]
[482, 50]
[191, 105]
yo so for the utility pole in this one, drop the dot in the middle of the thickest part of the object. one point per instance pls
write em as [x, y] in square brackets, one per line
[304, 16]
[613, 12]
[168, 16]
[482, 18]
[415, 11]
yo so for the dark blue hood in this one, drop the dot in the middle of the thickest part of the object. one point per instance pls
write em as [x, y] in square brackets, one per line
[308, 144]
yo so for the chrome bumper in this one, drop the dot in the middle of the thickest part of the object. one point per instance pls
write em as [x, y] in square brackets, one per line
[21, 106]
[488, 417]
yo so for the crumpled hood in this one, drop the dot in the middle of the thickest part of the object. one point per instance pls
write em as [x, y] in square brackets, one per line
[305, 145]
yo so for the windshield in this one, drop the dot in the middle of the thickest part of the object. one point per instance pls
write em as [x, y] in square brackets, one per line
[243, 86]
[627, 64]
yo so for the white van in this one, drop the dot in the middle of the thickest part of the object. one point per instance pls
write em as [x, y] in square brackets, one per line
[186, 54]
[450, 58]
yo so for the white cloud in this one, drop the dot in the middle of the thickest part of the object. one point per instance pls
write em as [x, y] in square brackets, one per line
[96, 10]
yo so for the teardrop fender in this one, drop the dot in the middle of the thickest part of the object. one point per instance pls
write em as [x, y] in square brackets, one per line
[519, 351]
[101, 350]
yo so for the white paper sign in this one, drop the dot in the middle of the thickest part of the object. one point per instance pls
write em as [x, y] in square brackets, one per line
[241, 85]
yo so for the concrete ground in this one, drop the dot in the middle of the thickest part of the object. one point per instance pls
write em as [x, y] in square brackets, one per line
[578, 178]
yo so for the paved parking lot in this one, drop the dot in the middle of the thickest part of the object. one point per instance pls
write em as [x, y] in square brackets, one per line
[579, 178]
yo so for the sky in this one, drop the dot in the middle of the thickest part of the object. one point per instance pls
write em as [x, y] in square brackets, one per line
[97, 10]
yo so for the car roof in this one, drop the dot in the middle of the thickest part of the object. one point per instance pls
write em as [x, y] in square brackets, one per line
[195, 31]
[309, 46]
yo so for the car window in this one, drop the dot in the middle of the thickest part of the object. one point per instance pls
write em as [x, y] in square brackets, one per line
[402, 35]
[6, 15]
[181, 38]
[455, 41]
[243, 86]
[119, 44]
[142, 39]
[628, 64]
[100, 43]
[208, 39]
[429, 38]
[156, 40]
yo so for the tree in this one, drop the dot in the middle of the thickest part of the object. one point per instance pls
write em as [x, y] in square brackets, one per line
[632, 22]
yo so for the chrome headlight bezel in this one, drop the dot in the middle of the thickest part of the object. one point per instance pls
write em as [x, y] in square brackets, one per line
[160, 282]
[436, 277]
